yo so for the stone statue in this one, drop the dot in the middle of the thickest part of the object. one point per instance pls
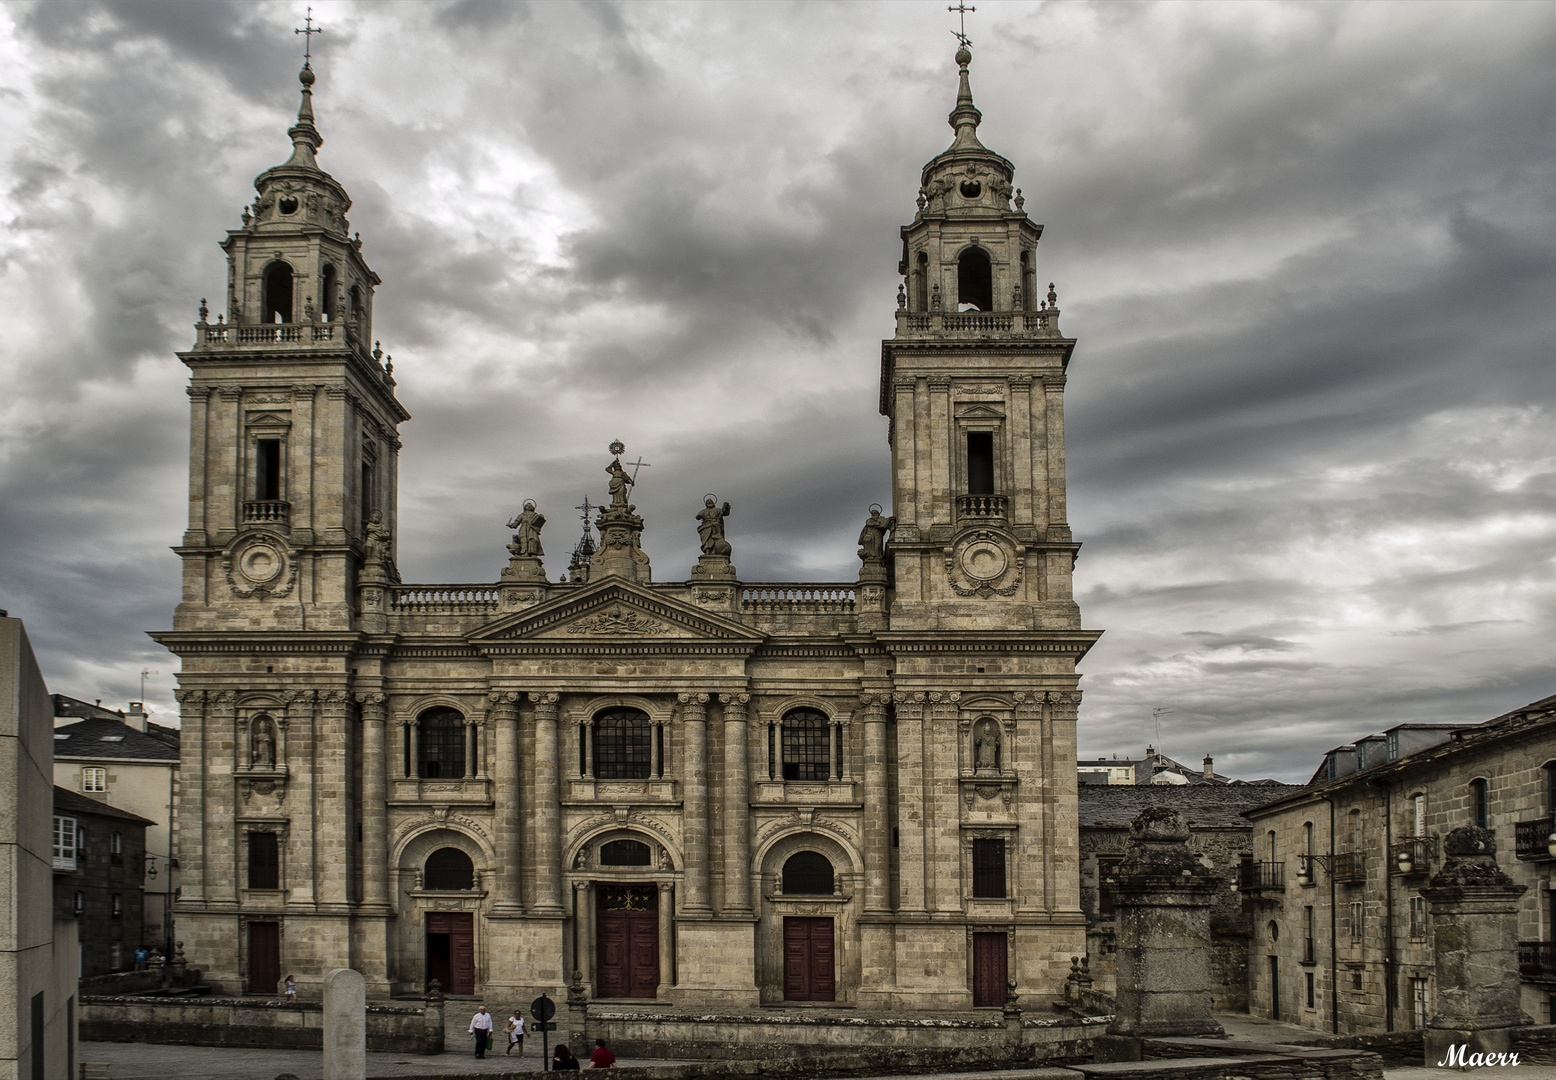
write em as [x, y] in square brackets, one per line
[872, 538]
[376, 545]
[526, 542]
[620, 482]
[986, 748]
[264, 749]
[711, 527]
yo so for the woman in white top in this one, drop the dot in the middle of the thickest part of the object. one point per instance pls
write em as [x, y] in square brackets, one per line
[515, 1030]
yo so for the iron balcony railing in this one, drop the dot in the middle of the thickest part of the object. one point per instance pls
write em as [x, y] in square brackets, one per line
[1412, 856]
[1533, 839]
[1537, 960]
[1252, 876]
[1350, 866]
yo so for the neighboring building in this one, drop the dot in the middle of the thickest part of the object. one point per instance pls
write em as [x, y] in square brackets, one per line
[1219, 834]
[99, 853]
[1339, 869]
[1153, 768]
[38, 958]
[701, 791]
[126, 760]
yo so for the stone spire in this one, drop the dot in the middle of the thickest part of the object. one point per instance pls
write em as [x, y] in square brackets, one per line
[306, 139]
[964, 119]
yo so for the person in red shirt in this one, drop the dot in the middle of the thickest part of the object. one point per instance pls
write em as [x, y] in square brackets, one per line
[601, 1058]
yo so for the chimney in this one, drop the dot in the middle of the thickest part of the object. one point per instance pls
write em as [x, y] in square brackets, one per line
[1210, 768]
[137, 718]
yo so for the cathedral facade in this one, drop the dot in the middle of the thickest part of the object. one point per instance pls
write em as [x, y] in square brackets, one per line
[681, 793]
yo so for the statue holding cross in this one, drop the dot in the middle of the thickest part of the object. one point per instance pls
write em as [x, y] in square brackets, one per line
[620, 481]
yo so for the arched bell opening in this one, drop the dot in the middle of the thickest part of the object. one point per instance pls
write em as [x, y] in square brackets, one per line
[974, 281]
[276, 303]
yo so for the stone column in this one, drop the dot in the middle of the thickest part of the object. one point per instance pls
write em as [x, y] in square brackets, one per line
[666, 936]
[911, 795]
[1475, 941]
[333, 826]
[737, 807]
[224, 847]
[302, 867]
[189, 817]
[583, 915]
[1058, 512]
[199, 425]
[375, 803]
[548, 808]
[694, 801]
[505, 718]
[877, 830]
[1164, 896]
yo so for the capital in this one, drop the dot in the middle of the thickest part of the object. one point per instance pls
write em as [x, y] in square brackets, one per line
[692, 699]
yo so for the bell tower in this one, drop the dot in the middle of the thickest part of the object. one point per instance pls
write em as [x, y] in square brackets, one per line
[293, 430]
[973, 383]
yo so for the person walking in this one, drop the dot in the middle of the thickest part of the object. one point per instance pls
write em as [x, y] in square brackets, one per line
[515, 1030]
[601, 1058]
[481, 1028]
[291, 990]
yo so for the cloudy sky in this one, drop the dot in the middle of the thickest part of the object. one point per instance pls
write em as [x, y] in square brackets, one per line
[1309, 251]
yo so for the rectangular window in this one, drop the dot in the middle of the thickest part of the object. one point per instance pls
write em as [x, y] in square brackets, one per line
[116, 844]
[78, 903]
[64, 843]
[980, 463]
[118, 906]
[1392, 745]
[1356, 926]
[1107, 896]
[1247, 901]
[1312, 996]
[1418, 918]
[1480, 803]
[267, 470]
[1419, 806]
[95, 780]
[369, 492]
[989, 869]
[1307, 936]
[264, 861]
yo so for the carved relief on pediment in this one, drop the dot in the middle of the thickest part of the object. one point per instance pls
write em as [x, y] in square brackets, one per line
[618, 620]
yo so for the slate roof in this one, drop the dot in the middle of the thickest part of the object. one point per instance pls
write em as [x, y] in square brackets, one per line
[70, 802]
[1203, 806]
[111, 738]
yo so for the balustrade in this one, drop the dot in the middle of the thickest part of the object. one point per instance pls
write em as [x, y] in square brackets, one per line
[982, 507]
[798, 598]
[266, 512]
[1535, 841]
[1260, 876]
[444, 600]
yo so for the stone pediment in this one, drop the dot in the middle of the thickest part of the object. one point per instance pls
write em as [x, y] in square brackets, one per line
[979, 411]
[616, 612]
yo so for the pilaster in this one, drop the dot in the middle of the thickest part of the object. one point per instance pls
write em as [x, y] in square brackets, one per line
[375, 820]
[694, 778]
[505, 720]
[548, 808]
[189, 818]
[303, 808]
[333, 825]
[737, 805]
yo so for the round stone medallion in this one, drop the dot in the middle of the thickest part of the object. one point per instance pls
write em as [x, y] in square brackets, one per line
[984, 560]
[261, 564]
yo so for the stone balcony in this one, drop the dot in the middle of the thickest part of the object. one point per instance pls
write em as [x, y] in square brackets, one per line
[283, 335]
[272, 513]
[977, 325]
[982, 509]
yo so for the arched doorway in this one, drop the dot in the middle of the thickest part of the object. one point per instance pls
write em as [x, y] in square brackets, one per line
[626, 941]
[809, 942]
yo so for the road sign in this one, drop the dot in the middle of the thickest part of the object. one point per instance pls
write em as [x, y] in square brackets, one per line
[542, 1008]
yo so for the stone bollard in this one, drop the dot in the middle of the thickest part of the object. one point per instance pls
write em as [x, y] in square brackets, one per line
[345, 1025]
[1163, 897]
[1475, 941]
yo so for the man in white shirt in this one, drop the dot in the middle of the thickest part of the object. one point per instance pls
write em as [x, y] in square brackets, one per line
[481, 1028]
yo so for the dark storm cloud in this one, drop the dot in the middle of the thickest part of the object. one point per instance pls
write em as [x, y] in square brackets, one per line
[1308, 251]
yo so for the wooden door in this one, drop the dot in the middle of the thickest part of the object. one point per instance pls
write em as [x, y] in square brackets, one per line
[809, 970]
[626, 960]
[990, 955]
[264, 957]
[451, 950]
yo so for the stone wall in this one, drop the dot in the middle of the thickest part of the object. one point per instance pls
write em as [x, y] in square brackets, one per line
[240, 1022]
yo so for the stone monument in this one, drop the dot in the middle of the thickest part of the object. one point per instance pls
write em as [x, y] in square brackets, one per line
[1163, 895]
[714, 563]
[525, 549]
[621, 530]
[345, 1025]
[1475, 940]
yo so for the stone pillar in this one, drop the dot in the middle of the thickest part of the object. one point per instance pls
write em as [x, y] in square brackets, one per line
[583, 916]
[911, 794]
[333, 826]
[694, 796]
[666, 936]
[1164, 896]
[221, 875]
[189, 817]
[505, 717]
[375, 804]
[877, 830]
[302, 868]
[345, 1025]
[548, 808]
[1475, 941]
[737, 808]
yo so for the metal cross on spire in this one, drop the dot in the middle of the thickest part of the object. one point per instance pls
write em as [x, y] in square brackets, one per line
[586, 507]
[960, 35]
[308, 37]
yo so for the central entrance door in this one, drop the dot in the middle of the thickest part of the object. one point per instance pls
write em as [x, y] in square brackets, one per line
[451, 950]
[990, 953]
[626, 924]
[264, 957]
[808, 966]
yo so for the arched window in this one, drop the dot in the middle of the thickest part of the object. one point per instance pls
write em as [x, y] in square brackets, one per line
[974, 281]
[440, 744]
[448, 869]
[328, 289]
[807, 873]
[1480, 803]
[625, 853]
[356, 302]
[807, 745]
[623, 748]
[1028, 282]
[921, 282]
[277, 303]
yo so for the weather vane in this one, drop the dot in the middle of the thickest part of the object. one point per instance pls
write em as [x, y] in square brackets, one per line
[960, 35]
[308, 38]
